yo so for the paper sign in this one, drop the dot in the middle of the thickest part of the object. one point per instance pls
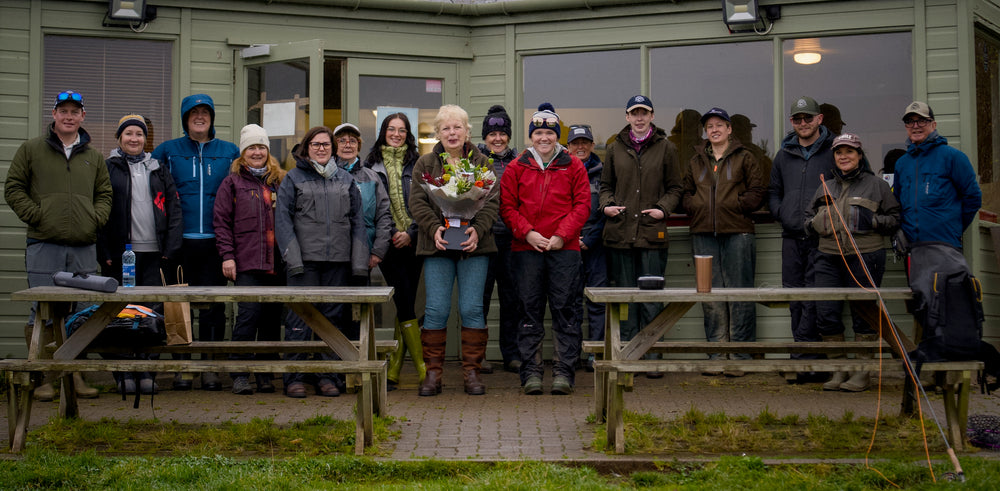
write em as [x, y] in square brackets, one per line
[279, 119]
[454, 222]
[433, 86]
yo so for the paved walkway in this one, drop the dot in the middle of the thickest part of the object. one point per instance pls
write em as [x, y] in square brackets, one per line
[504, 424]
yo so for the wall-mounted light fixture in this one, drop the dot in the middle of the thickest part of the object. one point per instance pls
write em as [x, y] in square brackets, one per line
[745, 16]
[807, 51]
[135, 14]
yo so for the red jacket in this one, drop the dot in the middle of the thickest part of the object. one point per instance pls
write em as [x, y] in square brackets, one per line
[553, 201]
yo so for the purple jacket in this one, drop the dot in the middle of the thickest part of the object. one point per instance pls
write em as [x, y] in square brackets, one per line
[243, 219]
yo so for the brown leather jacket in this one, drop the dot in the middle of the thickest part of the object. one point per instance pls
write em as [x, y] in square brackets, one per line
[720, 200]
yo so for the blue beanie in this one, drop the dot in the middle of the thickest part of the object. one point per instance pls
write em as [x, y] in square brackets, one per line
[547, 118]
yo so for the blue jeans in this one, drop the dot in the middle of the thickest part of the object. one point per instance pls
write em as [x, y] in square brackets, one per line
[832, 272]
[733, 259]
[440, 274]
[550, 277]
[627, 265]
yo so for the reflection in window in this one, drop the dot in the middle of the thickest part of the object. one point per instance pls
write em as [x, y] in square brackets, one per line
[585, 88]
[389, 95]
[863, 81]
[988, 106]
[92, 67]
[687, 81]
[278, 100]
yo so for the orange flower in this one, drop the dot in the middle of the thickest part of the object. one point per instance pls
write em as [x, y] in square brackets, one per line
[479, 184]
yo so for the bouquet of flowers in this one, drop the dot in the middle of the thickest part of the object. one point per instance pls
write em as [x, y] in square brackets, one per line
[460, 191]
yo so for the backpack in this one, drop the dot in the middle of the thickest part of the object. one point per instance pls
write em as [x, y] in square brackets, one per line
[135, 326]
[947, 301]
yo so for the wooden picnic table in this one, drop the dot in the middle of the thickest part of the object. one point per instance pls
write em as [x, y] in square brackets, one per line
[621, 359]
[54, 304]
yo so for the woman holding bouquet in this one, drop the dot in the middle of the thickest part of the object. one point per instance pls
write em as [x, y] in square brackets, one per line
[322, 238]
[545, 200]
[392, 157]
[442, 265]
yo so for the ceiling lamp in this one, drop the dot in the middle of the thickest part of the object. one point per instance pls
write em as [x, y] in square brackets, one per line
[807, 51]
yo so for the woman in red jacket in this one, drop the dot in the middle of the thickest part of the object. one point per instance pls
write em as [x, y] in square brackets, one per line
[545, 200]
[244, 234]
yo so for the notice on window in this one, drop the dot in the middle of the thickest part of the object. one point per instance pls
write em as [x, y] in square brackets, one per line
[433, 86]
[279, 119]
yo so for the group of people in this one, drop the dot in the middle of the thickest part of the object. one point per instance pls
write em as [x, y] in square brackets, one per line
[562, 220]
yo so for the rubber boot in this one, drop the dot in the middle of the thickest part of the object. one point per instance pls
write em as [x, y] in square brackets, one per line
[860, 381]
[473, 352]
[433, 342]
[838, 377]
[396, 358]
[411, 334]
[44, 392]
[83, 390]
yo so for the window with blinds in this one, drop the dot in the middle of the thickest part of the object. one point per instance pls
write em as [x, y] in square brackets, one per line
[116, 77]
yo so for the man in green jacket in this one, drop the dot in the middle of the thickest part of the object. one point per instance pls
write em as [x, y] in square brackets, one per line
[59, 186]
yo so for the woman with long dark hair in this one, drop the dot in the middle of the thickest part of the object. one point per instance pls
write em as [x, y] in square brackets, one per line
[392, 157]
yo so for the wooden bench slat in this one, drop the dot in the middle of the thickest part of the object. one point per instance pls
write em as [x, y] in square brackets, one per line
[760, 295]
[213, 347]
[195, 366]
[755, 347]
[772, 365]
[210, 294]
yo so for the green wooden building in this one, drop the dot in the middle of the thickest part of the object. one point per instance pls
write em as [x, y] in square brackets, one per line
[293, 64]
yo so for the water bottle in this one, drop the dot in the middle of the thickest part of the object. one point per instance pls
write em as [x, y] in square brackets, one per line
[128, 267]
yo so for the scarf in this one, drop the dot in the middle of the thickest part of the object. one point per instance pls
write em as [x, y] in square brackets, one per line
[636, 141]
[392, 158]
[261, 172]
[328, 170]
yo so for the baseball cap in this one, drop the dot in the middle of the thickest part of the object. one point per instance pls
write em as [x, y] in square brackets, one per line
[716, 113]
[847, 139]
[578, 131]
[638, 101]
[805, 105]
[346, 127]
[920, 109]
[68, 96]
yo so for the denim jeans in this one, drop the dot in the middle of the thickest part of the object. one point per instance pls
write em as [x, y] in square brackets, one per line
[440, 274]
[832, 272]
[296, 329]
[500, 272]
[550, 277]
[733, 260]
[798, 270]
[627, 265]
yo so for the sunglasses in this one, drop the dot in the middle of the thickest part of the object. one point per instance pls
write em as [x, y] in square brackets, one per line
[495, 121]
[799, 119]
[69, 95]
[547, 121]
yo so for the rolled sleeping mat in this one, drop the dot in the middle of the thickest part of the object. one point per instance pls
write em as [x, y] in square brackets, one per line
[85, 281]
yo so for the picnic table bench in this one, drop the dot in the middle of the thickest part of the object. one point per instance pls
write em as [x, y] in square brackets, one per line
[613, 372]
[358, 358]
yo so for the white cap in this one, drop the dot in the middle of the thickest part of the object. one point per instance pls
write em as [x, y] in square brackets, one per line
[252, 134]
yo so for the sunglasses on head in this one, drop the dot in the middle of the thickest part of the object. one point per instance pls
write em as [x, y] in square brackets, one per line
[69, 95]
[807, 118]
[540, 121]
[495, 121]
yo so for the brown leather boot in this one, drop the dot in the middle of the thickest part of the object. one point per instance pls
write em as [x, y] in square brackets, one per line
[473, 352]
[433, 342]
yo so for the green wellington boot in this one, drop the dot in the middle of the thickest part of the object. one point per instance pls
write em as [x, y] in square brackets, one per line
[396, 357]
[411, 334]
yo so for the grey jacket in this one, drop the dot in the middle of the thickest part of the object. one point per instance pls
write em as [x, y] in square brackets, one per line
[320, 220]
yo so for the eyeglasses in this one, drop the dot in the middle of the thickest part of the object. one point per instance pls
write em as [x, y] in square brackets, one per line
[347, 141]
[495, 121]
[917, 122]
[320, 145]
[799, 119]
[547, 121]
[69, 95]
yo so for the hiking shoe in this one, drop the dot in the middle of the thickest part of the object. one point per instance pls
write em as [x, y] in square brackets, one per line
[486, 367]
[127, 384]
[327, 388]
[561, 385]
[734, 373]
[264, 384]
[512, 366]
[147, 386]
[588, 364]
[241, 386]
[181, 383]
[210, 381]
[533, 386]
[296, 390]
